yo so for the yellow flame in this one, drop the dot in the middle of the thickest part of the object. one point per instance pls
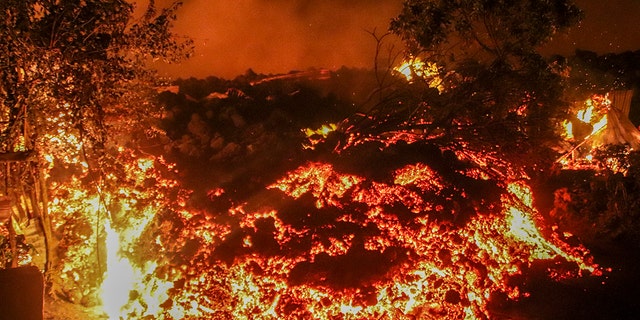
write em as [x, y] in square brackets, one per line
[568, 129]
[594, 113]
[323, 131]
[410, 67]
[315, 136]
[415, 67]
[119, 278]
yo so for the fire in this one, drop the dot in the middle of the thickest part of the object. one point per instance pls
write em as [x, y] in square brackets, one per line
[122, 278]
[411, 67]
[315, 136]
[586, 114]
[319, 242]
[112, 221]
[599, 125]
[414, 67]
[568, 130]
[119, 279]
[593, 115]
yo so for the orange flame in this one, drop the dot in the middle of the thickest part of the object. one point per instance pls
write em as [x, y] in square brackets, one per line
[594, 113]
[318, 135]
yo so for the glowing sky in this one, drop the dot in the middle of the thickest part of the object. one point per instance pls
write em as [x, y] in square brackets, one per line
[277, 36]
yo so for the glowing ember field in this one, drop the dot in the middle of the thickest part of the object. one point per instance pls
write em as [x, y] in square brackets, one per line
[343, 223]
[319, 242]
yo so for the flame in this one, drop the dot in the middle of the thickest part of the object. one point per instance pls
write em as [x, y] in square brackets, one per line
[122, 279]
[134, 290]
[601, 124]
[586, 114]
[568, 130]
[593, 113]
[415, 67]
[315, 136]
[129, 286]
[119, 279]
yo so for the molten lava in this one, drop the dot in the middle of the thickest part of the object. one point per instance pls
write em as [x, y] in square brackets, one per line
[403, 265]
[320, 242]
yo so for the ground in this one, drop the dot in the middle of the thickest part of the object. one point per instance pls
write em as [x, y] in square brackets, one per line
[56, 309]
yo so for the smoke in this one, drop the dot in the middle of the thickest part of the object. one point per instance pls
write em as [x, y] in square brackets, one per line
[277, 36]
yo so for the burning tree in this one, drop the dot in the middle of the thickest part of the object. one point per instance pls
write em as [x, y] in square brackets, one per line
[500, 96]
[74, 84]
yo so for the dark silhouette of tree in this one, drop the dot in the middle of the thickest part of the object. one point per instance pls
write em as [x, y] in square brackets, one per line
[500, 95]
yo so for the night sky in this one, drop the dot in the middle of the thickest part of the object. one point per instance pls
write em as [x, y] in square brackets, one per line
[277, 36]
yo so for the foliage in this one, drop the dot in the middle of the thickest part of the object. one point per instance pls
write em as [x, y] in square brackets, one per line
[75, 90]
[23, 251]
[500, 95]
[69, 65]
[489, 31]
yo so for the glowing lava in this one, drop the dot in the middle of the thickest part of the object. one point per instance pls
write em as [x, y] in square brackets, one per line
[318, 243]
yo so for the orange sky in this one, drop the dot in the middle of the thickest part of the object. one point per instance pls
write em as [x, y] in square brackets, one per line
[277, 36]
[608, 26]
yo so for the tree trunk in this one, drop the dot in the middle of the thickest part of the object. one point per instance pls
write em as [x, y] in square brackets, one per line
[13, 245]
[45, 219]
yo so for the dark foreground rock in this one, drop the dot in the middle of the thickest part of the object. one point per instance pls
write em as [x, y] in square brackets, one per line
[21, 294]
[614, 295]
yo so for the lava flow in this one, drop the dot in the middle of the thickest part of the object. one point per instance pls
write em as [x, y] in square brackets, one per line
[334, 245]
[337, 238]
